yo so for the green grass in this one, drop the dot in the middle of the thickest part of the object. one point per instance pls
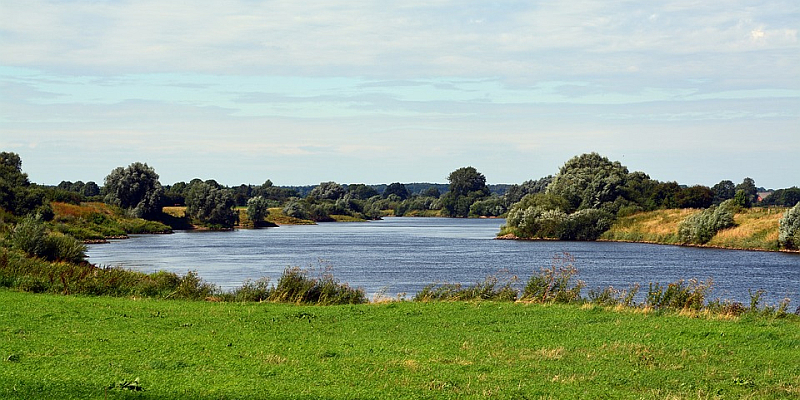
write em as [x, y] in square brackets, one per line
[96, 347]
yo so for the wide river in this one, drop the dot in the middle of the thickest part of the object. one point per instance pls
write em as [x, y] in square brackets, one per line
[402, 255]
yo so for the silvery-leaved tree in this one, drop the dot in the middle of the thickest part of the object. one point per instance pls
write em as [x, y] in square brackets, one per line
[135, 189]
[789, 232]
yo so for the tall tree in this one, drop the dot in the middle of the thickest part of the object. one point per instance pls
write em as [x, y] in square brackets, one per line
[467, 186]
[589, 181]
[724, 190]
[211, 205]
[397, 189]
[135, 189]
[749, 192]
[327, 191]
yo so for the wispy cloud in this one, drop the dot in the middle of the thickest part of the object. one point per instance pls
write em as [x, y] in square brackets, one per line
[327, 87]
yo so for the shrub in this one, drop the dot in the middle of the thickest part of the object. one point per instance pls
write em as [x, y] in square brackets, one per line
[586, 224]
[192, 287]
[294, 286]
[258, 290]
[700, 227]
[789, 236]
[295, 209]
[29, 236]
[61, 247]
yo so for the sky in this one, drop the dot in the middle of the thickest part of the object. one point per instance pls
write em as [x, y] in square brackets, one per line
[356, 91]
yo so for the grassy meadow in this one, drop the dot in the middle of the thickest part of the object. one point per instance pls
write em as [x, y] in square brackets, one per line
[54, 346]
[757, 228]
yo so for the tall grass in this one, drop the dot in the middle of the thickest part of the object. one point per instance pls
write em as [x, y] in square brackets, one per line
[295, 286]
[492, 288]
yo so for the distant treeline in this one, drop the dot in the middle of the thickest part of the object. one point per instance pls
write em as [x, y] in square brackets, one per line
[416, 188]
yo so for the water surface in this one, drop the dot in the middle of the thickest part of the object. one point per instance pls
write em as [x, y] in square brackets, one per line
[402, 255]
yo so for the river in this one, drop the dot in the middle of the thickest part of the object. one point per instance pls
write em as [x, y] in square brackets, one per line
[402, 255]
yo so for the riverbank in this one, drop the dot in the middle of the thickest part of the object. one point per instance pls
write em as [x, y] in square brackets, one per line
[101, 347]
[756, 229]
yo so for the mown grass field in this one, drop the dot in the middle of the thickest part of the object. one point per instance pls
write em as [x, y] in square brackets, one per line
[757, 228]
[65, 347]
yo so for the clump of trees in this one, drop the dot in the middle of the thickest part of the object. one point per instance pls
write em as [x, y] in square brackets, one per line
[18, 197]
[209, 204]
[580, 203]
[590, 192]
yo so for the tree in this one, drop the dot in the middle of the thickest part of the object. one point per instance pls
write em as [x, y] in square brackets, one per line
[515, 193]
[749, 192]
[257, 210]
[724, 190]
[90, 189]
[135, 189]
[467, 186]
[398, 189]
[431, 192]
[361, 191]
[697, 196]
[327, 191]
[211, 205]
[589, 181]
[466, 181]
[11, 170]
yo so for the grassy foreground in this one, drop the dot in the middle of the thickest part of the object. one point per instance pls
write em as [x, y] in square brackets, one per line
[100, 347]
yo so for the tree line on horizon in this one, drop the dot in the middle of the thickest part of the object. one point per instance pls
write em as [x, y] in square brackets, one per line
[579, 202]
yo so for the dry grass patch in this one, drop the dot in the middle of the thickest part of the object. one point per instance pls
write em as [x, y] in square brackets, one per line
[176, 211]
[80, 211]
[756, 228]
[660, 226]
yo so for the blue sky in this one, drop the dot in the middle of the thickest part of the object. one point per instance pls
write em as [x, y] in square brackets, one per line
[365, 91]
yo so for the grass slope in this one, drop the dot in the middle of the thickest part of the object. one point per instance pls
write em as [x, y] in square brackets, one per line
[757, 228]
[96, 347]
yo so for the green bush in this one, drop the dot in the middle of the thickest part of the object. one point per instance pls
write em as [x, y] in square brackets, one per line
[63, 247]
[29, 236]
[789, 236]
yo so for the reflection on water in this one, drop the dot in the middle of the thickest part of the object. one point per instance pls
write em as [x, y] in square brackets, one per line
[402, 255]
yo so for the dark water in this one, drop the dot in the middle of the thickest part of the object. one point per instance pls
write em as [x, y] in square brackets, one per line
[402, 255]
